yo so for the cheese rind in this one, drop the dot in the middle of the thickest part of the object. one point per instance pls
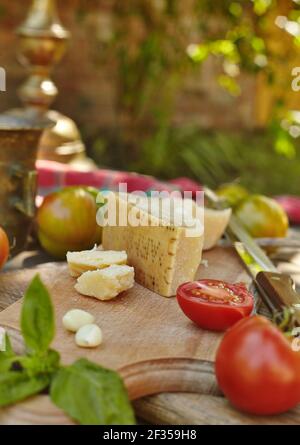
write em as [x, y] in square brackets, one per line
[163, 256]
[105, 284]
[80, 262]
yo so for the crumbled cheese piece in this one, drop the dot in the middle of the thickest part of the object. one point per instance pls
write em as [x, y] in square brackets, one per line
[85, 260]
[105, 284]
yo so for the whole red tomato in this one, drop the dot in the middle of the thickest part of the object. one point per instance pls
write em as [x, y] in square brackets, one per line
[214, 304]
[4, 247]
[257, 369]
[67, 221]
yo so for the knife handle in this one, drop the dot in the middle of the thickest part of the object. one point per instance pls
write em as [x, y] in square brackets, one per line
[279, 288]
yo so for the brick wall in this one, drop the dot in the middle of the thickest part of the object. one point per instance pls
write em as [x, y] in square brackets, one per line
[88, 90]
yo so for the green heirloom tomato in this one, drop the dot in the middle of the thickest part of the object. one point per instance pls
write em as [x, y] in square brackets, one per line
[67, 221]
[232, 193]
[263, 217]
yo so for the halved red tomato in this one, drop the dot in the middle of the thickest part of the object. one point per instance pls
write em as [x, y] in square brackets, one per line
[214, 304]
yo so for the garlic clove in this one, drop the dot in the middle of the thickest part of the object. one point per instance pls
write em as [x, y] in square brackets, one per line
[88, 336]
[76, 318]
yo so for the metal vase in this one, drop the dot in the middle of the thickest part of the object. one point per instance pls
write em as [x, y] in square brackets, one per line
[19, 138]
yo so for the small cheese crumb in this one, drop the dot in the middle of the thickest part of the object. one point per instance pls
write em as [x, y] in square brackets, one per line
[204, 263]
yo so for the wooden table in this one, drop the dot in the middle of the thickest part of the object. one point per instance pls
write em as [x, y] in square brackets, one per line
[184, 408]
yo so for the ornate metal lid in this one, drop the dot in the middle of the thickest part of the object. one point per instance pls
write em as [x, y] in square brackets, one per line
[42, 21]
[18, 119]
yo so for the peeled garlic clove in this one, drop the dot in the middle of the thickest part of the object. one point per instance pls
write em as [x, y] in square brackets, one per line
[76, 318]
[88, 336]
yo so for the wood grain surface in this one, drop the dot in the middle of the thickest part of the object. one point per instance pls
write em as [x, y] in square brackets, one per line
[146, 338]
[203, 409]
[140, 328]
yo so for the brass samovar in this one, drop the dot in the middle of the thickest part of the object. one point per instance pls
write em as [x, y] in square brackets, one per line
[42, 43]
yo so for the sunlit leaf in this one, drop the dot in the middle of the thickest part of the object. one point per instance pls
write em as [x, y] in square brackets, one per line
[229, 84]
[225, 47]
[261, 6]
[258, 44]
[284, 146]
[235, 9]
[198, 53]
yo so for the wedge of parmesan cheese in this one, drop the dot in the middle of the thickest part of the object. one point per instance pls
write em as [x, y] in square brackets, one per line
[215, 223]
[162, 254]
[105, 284]
[80, 262]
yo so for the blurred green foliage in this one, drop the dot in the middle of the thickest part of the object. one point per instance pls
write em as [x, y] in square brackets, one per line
[155, 49]
[213, 158]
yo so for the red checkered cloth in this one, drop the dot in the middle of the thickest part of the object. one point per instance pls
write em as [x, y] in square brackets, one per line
[54, 175]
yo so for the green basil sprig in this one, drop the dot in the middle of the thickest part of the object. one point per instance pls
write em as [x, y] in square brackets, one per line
[91, 395]
[18, 385]
[7, 357]
[88, 393]
[37, 317]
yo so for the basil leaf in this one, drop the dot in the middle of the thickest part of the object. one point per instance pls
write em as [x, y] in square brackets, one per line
[7, 357]
[18, 385]
[40, 364]
[91, 395]
[37, 318]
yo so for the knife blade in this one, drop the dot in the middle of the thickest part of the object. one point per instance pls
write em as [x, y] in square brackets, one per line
[236, 229]
[276, 289]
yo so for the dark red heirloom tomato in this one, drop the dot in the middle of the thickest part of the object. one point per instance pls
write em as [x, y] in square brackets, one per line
[257, 369]
[213, 304]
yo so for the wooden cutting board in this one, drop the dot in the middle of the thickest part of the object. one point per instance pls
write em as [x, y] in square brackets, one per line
[147, 338]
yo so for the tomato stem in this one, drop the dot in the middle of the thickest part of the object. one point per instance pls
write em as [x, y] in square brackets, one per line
[285, 320]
